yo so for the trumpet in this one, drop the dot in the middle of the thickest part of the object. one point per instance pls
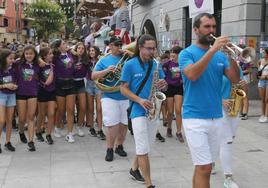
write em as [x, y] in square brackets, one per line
[247, 55]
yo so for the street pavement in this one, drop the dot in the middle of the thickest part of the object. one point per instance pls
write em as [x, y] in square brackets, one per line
[82, 164]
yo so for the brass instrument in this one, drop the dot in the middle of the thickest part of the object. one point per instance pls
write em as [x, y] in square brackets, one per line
[156, 96]
[237, 96]
[247, 55]
[113, 78]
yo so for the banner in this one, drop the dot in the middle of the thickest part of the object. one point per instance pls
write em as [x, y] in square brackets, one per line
[199, 6]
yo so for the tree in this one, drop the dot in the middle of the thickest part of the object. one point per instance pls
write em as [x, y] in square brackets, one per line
[47, 17]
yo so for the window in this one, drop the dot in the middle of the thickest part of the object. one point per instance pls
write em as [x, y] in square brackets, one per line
[5, 23]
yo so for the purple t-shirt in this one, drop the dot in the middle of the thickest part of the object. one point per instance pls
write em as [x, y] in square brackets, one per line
[7, 77]
[44, 73]
[27, 79]
[172, 72]
[64, 66]
[80, 69]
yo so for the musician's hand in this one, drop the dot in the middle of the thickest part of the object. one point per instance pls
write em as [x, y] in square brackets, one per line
[161, 84]
[111, 68]
[220, 42]
[147, 105]
[226, 103]
[242, 83]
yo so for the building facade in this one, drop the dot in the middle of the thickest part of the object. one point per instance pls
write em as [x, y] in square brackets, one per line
[169, 22]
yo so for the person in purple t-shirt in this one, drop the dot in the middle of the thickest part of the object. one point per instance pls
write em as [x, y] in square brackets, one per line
[27, 72]
[46, 96]
[65, 90]
[80, 71]
[7, 95]
[174, 92]
[93, 93]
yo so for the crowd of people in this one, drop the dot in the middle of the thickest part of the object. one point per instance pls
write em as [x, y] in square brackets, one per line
[46, 86]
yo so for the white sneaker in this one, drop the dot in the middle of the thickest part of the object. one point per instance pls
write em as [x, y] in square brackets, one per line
[57, 132]
[69, 137]
[263, 119]
[229, 183]
[79, 131]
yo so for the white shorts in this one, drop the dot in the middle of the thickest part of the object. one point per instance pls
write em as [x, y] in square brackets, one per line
[144, 134]
[228, 128]
[114, 111]
[203, 137]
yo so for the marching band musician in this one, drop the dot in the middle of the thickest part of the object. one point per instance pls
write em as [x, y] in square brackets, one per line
[202, 67]
[228, 131]
[133, 74]
[114, 104]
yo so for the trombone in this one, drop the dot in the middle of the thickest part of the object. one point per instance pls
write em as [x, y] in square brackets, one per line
[247, 55]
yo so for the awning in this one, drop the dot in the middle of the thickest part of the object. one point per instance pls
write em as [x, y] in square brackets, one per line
[95, 8]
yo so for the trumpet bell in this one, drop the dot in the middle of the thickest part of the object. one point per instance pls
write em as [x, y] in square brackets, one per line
[248, 54]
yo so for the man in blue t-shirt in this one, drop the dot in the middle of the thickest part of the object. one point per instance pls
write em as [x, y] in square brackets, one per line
[202, 67]
[133, 73]
[114, 105]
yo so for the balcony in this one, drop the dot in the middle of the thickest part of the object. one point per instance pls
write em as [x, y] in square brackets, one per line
[2, 10]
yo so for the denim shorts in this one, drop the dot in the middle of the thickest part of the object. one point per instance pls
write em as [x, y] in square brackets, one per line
[7, 100]
[263, 83]
[91, 88]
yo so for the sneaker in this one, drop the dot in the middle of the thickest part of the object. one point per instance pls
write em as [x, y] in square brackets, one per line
[213, 170]
[49, 139]
[136, 175]
[0, 149]
[109, 155]
[180, 137]
[229, 183]
[40, 137]
[70, 138]
[160, 137]
[9, 147]
[23, 138]
[169, 132]
[31, 146]
[57, 132]
[92, 132]
[263, 119]
[244, 117]
[151, 186]
[101, 135]
[120, 151]
[79, 131]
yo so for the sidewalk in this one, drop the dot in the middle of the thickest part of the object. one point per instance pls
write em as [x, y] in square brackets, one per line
[82, 164]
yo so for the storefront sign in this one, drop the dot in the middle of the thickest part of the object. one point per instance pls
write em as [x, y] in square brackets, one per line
[199, 6]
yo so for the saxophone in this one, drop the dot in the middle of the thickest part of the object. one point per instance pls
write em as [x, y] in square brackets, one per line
[156, 96]
[237, 96]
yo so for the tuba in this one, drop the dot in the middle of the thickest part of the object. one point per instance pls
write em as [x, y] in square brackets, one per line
[156, 96]
[237, 96]
[111, 81]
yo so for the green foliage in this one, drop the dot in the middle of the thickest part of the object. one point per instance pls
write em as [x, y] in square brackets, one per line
[47, 17]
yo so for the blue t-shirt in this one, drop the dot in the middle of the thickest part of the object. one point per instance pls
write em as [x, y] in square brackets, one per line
[104, 63]
[203, 97]
[227, 86]
[133, 73]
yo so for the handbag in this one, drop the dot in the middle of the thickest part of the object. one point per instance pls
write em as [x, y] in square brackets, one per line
[260, 71]
[137, 93]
